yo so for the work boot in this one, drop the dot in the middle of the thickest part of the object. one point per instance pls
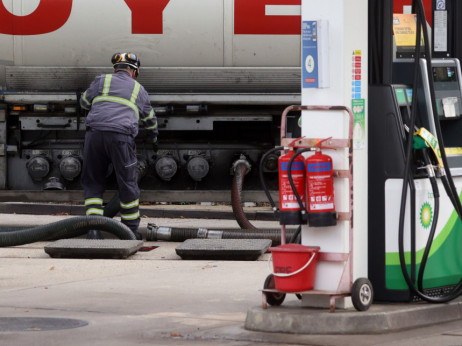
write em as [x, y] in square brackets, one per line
[138, 235]
[94, 234]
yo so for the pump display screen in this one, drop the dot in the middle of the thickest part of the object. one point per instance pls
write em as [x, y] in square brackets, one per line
[444, 74]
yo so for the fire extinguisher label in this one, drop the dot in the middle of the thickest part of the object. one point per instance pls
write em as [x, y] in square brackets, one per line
[319, 167]
[296, 166]
[321, 195]
[319, 183]
[289, 201]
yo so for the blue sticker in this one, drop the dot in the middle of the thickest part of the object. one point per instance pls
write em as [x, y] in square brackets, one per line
[296, 166]
[310, 54]
[319, 167]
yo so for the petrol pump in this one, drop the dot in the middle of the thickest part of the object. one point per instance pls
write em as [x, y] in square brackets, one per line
[415, 157]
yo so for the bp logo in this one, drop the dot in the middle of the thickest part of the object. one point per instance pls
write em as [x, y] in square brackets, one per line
[426, 215]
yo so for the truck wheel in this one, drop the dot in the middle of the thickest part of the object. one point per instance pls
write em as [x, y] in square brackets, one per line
[273, 299]
[362, 294]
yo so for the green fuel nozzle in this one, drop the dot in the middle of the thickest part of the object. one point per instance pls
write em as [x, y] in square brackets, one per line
[425, 139]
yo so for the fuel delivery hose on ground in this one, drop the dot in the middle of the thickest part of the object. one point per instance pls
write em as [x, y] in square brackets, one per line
[73, 227]
[175, 234]
[69, 228]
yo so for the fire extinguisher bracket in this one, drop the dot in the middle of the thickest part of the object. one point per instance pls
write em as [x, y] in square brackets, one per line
[322, 219]
[312, 143]
[327, 217]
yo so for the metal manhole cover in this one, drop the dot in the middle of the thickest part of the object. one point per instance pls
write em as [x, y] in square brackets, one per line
[25, 324]
[223, 249]
[85, 248]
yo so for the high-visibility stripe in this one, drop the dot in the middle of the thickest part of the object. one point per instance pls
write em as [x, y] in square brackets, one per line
[94, 211]
[150, 116]
[84, 99]
[129, 103]
[107, 84]
[136, 91]
[133, 216]
[130, 205]
[152, 127]
[90, 201]
[117, 100]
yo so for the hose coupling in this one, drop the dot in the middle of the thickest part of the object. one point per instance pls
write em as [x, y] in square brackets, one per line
[441, 172]
[204, 233]
[430, 171]
[158, 233]
[242, 161]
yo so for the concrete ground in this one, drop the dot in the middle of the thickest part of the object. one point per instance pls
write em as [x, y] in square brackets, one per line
[156, 298]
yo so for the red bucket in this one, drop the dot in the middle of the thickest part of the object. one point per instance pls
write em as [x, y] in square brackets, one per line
[294, 267]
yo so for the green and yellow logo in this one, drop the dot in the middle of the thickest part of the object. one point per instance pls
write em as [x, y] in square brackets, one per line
[426, 215]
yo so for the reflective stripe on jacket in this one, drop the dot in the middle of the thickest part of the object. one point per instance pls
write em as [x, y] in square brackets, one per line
[118, 103]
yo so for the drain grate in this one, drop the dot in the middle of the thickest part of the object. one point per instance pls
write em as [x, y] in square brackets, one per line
[90, 248]
[25, 324]
[223, 249]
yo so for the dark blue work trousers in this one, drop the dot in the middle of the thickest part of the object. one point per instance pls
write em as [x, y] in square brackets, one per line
[101, 149]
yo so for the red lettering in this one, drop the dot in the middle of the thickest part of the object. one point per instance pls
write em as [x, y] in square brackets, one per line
[250, 18]
[49, 16]
[147, 16]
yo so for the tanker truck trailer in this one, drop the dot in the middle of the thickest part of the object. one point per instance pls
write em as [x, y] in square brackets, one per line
[219, 74]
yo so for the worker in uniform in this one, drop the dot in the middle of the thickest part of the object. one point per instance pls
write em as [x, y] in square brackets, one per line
[117, 105]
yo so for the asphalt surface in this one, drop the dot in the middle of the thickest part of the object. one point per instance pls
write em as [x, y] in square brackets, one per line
[156, 298]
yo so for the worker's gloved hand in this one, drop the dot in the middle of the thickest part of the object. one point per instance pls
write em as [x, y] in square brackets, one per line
[155, 143]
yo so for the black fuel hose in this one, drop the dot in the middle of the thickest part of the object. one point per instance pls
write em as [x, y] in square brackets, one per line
[68, 228]
[407, 177]
[262, 178]
[241, 168]
[73, 227]
[179, 234]
[436, 211]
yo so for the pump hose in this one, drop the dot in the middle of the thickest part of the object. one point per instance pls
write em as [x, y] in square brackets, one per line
[407, 177]
[431, 235]
[240, 170]
[68, 228]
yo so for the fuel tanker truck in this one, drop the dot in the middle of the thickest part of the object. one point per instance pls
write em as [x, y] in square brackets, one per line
[219, 75]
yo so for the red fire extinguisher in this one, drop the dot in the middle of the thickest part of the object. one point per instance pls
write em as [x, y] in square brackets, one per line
[320, 189]
[289, 207]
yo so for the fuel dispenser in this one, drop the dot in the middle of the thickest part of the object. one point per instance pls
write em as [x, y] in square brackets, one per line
[415, 175]
[405, 206]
